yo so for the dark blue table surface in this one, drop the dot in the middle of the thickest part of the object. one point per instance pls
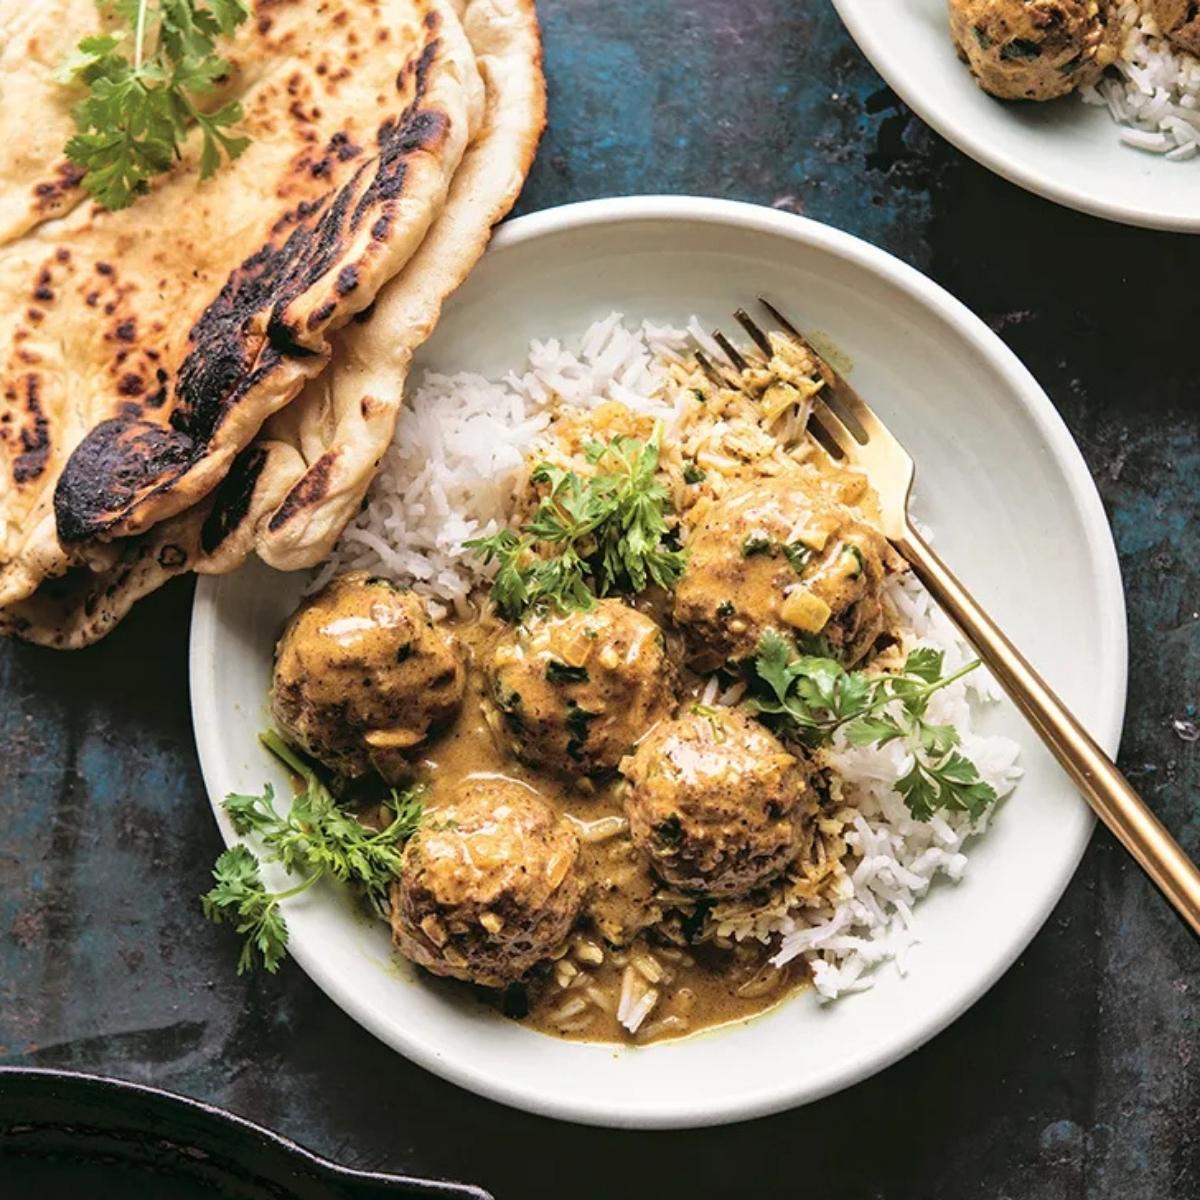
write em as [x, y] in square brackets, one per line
[1073, 1078]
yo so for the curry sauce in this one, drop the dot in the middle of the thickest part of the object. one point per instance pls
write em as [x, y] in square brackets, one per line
[632, 935]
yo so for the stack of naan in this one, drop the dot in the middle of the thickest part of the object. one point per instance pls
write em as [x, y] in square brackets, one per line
[216, 370]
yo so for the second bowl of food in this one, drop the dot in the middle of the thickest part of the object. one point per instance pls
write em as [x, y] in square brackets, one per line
[1090, 103]
[664, 795]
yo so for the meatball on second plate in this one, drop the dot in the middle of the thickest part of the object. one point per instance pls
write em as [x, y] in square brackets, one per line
[1179, 20]
[575, 691]
[775, 554]
[489, 885]
[362, 674]
[1033, 49]
[716, 802]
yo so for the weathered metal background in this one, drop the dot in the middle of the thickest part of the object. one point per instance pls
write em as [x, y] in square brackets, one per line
[1074, 1077]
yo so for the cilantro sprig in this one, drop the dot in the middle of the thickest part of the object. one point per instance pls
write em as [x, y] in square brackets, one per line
[589, 535]
[811, 697]
[315, 839]
[144, 86]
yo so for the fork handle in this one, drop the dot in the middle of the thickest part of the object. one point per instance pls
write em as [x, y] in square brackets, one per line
[1091, 770]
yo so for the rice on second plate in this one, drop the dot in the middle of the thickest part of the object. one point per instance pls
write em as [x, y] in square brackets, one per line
[454, 472]
[1153, 89]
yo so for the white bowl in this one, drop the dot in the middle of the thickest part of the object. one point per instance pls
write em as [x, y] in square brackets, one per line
[1064, 150]
[1014, 511]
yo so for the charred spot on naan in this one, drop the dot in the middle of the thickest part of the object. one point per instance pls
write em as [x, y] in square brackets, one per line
[232, 500]
[33, 434]
[309, 492]
[57, 195]
[339, 149]
[117, 456]
[263, 319]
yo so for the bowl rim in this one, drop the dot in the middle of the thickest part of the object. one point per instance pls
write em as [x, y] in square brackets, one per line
[1000, 359]
[983, 152]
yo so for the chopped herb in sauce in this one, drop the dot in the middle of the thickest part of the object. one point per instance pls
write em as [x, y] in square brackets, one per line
[1020, 48]
[578, 720]
[756, 543]
[509, 704]
[561, 672]
[857, 555]
[798, 555]
[692, 473]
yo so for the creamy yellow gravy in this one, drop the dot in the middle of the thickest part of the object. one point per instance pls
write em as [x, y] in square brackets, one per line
[698, 987]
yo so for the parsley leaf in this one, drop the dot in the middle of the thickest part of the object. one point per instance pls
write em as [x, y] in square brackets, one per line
[810, 697]
[925, 663]
[315, 838]
[139, 105]
[953, 783]
[240, 898]
[589, 535]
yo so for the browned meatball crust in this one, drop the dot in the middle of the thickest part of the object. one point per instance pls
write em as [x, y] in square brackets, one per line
[716, 802]
[776, 555]
[362, 674]
[1033, 49]
[575, 691]
[1179, 20]
[489, 885]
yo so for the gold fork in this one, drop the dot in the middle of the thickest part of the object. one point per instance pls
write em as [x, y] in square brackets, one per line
[848, 429]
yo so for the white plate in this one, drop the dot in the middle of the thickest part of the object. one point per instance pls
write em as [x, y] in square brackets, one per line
[1064, 150]
[1015, 512]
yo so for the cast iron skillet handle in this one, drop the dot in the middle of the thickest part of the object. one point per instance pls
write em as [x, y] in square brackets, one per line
[95, 1124]
[1090, 769]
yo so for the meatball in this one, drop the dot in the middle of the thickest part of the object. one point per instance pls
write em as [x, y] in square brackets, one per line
[489, 885]
[716, 802]
[776, 555]
[1179, 20]
[362, 674]
[1033, 49]
[575, 691]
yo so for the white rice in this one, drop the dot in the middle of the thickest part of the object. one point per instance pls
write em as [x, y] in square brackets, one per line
[451, 474]
[872, 920]
[1153, 89]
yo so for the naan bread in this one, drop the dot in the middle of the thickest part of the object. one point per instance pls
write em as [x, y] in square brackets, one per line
[327, 445]
[141, 351]
[38, 182]
[280, 497]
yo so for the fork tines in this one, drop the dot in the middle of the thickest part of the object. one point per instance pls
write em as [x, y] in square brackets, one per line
[757, 335]
[839, 418]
